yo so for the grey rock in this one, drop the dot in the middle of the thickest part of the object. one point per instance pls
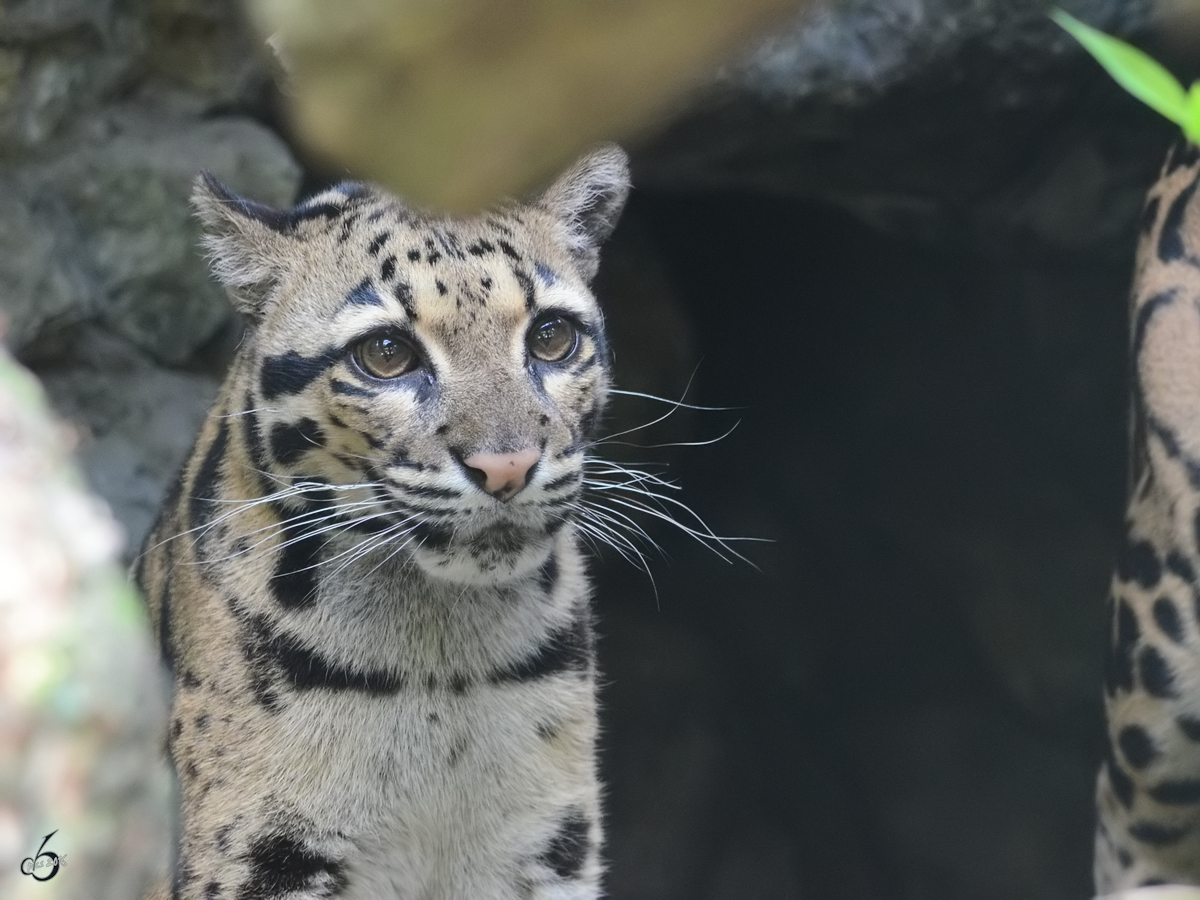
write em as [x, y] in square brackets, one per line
[95, 221]
[65, 142]
[130, 196]
[934, 119]
[62, 59]
[853, 51]
[125, 193]
[29, 20]
[43, 285]
[59, 60]
[136, 422]
[207, 47]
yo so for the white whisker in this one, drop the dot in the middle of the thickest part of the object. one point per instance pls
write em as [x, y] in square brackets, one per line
[280, 527]
[246, 412]
[638, 492]
[679, 404]
[703, 443]
[243, 506]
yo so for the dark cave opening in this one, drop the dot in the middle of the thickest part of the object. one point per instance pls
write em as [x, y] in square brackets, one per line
[903, 700]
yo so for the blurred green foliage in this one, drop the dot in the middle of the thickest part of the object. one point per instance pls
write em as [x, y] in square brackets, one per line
[1139, 74]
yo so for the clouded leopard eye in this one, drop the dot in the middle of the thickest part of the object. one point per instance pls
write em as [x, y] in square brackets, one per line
[551, 338]
[386, 355]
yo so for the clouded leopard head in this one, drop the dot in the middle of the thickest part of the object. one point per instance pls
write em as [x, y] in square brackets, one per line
[428, 383]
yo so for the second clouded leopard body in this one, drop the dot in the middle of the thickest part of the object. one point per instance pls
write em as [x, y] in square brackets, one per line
[367, 582]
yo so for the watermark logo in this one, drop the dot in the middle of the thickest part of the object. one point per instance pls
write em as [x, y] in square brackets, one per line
[44, 864]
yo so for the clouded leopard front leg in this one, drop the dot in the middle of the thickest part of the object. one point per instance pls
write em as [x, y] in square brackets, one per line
[1149, 787]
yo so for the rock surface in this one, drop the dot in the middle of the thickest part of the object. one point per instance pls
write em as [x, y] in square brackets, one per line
[937, 119]
[109, 110]
[135, 424]
[110, 235]
[104, 122]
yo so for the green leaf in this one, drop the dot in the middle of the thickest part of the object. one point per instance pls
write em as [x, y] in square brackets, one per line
[1192, 127]
[1134, 71]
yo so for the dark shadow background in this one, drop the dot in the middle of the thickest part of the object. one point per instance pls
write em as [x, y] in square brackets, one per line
[903, 699]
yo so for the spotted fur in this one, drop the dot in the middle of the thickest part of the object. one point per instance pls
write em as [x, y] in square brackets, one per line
[1148, 793]
[384, 674]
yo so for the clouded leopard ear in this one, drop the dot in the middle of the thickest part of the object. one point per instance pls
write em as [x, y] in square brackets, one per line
[245, 242]
[587, 200]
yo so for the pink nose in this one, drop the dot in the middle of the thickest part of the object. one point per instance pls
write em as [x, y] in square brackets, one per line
[503, 474]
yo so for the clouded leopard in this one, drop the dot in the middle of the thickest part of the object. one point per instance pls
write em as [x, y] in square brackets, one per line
[366, 582]
[1148, 793]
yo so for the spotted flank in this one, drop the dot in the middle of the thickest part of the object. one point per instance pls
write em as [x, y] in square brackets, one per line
[1148, 795]
[367, 581]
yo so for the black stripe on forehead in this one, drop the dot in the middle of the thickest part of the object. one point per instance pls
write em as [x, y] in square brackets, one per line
[378, 242]
[450, 243]
[363, 295]
[291, 372]
[347, 202]
[348, 224]
[403, 293]
[527, 287]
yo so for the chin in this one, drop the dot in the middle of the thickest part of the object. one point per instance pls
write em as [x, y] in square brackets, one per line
[499, 554]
